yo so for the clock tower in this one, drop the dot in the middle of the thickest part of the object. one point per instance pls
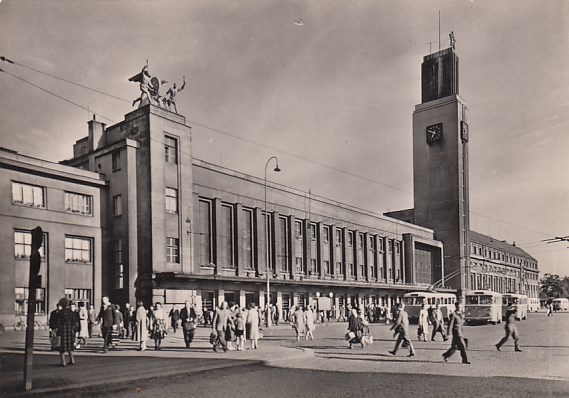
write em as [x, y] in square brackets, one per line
[440, 163]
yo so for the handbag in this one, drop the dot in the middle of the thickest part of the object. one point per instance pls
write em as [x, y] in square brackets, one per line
[189, 326]
[350, 335]
[213, 338]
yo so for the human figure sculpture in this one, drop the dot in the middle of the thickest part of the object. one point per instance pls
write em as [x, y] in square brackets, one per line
[170, 98]
[452, 40]
[149, 87]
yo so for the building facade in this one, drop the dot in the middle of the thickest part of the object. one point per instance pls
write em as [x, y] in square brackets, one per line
[66, 204]
[183, 229]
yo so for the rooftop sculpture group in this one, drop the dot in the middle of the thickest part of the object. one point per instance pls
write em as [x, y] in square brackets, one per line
[150, 90]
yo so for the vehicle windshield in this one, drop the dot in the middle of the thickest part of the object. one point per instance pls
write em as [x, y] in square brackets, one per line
[413, 300]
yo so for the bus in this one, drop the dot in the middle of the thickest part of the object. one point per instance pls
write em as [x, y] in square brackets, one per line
[413, 301]
[483, 306]
[560, 304]
[521, 301]
[533, 305]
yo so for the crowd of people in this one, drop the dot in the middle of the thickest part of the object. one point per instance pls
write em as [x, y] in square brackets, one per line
[71, 325]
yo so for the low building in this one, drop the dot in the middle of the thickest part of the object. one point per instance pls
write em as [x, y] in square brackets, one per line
[67, 204]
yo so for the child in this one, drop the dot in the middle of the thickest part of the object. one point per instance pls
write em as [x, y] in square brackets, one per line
[240, 331]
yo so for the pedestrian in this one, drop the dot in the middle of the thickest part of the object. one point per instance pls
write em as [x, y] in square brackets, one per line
[53, 322]
[73, 308]
[309, 321]
[423, 329]
[158, 325]
[230, 337]
[240, 331]
[299, 323]
[549, 307]
[510, 328]
[252, 325]
[92, 318]
[401, 324]
[67, 326]
[142, 326]
[84, 324]
[188, 318]
[341, 313]
[458, 341]
[174, 318]
[355, 329]
[438, 323]
[109, 322]
[121, 329]
[127, 319]
[221, 321]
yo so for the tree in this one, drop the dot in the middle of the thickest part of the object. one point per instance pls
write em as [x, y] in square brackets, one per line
[552, 286]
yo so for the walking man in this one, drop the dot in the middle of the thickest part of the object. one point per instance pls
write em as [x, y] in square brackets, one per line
[401, 325]
[221, 321]
[511, 329]
[458, 341]
[109, 321]
[438, 323]
[188, 316]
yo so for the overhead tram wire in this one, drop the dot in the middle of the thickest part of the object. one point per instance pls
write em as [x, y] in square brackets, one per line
[56, 95]
[3, 58]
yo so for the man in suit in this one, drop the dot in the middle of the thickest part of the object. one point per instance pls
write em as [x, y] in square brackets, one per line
[109, 321]
[438, 323]
[511, 329]
[401, 326]
[188, 318]
[458, 341]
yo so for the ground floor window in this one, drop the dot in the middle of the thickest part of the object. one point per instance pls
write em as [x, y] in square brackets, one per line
[21, 302]
[79, 295]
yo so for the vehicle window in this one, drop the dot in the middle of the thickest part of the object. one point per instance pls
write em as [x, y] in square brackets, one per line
[485, 299]
[472, 300]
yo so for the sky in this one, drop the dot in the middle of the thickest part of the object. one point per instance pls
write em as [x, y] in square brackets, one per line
[332, 97]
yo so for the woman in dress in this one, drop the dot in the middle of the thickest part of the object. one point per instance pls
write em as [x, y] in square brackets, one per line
[252, 325]
[299, 323]
[423, 323]
[141, 326]
[66, 328]
[309, 320]
[158, 325]
[84, 324]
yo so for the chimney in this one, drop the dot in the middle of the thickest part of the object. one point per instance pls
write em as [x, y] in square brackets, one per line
[96, 133]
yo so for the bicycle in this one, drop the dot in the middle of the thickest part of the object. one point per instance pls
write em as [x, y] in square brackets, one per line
[20, 325]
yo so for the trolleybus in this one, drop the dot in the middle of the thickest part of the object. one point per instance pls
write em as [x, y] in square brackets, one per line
[521, 301]
[413, 301]
[483, 306]
[560, 304]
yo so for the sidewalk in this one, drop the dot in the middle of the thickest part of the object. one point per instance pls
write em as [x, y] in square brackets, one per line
[125, 363]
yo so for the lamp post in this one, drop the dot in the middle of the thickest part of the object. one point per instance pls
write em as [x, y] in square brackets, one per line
[268, 313]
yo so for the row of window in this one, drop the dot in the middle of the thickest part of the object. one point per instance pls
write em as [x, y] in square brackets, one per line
[494, 254]
[77, 249]
[22, 294]
[35, 196]
[311, 255]
[501, 284]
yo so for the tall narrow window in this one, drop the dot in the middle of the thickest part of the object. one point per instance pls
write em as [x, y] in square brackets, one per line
[205, 248]
[78, 203]
[170, 150]
[172, 250]
[225, 237]
[117, 205]
[116, 161]
[282, 250]
[298, 230]
[326, 249]
[269, 235]
[247, 239]
[171, 200]
[119, 264]
[28, 195]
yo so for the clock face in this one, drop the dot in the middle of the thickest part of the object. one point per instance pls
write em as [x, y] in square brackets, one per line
[434, 133]
[464, 131]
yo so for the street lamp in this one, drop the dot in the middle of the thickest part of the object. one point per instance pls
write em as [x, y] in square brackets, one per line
[268, 314]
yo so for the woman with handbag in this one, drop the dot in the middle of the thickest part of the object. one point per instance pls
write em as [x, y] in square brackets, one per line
[141, 326]
[67, 326]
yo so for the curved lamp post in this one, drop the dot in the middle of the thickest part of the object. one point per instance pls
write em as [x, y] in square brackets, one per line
[268, 313]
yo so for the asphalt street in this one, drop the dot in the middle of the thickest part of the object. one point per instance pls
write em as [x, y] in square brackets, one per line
[326, 368]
